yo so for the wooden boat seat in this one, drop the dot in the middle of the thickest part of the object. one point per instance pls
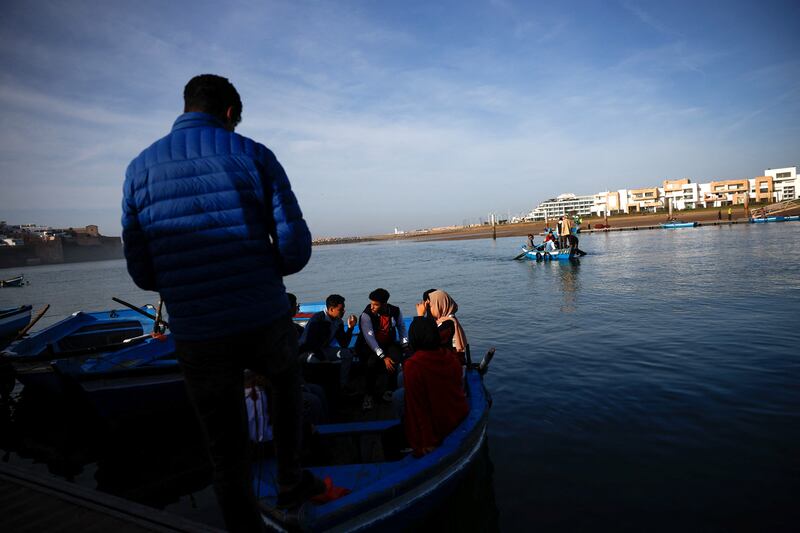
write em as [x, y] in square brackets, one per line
[356, 428]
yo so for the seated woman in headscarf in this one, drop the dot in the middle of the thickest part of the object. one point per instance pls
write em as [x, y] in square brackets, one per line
[435, 402]
[443, 309]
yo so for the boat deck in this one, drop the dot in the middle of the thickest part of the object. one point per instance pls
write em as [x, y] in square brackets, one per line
[30, 502]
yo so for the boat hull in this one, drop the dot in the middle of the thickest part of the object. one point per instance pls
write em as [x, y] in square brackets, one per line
[389, 495]
[12, 320]
[559, 254]
[19, 281]
[678, 225]
[774, 219]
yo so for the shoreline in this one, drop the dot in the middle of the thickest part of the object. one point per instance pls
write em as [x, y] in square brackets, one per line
[631, 222]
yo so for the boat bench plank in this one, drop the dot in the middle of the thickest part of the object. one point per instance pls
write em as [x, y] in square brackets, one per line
[356, 428]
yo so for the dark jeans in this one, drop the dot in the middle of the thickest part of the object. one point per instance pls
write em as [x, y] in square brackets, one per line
[374, 366]
[213, 371]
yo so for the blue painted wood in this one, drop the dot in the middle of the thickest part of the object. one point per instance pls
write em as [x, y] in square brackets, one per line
[13, 319]
[389, 493]
[675, 225]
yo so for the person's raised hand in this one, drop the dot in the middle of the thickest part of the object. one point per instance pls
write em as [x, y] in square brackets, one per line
[351, 321]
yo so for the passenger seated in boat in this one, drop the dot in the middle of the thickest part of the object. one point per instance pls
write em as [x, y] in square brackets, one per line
[321, 330]
[443, 310]
[381, 340]
[550, 242]
[435, 402]
[255, 398]
[426, 301]
[529, 243]
[256, 394]
[295, 308]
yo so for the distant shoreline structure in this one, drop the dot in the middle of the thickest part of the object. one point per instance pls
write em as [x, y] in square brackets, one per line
[622, 222]
[32, 245]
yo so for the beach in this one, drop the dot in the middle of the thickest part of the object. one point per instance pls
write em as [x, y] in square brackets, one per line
[615, 223]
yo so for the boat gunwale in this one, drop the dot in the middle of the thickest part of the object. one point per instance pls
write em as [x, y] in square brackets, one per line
[430, 472]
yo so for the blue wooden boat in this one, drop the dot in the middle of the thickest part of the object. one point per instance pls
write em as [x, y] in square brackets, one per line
[558, 253]
[17, 281]
[13, 319]
[80, 341]
[677, 224]
[129, 382]
[763, 220]
[389, 495]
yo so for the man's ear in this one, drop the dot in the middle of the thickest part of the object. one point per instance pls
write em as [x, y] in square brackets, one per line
[229, 114]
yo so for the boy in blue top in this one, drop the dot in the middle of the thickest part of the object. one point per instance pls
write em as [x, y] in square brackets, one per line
[316, 343]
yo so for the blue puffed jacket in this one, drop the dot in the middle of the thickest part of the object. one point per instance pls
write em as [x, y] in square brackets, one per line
[209, 221]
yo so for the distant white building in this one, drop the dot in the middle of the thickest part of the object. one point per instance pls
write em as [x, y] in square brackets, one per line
[682, 194]
[564, 204]
[784, 182]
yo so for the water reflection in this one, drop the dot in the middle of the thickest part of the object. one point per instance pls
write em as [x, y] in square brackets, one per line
[568, 276]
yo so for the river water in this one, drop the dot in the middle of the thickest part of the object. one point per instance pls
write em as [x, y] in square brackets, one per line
[654, 384]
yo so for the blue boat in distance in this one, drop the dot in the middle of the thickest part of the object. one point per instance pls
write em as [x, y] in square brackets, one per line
[17, 281]
[677, 224]
[762, 220]
[537, 255]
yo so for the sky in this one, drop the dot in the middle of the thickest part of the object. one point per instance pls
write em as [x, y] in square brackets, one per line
[405, 114]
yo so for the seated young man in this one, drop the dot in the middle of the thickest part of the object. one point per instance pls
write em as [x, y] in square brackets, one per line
[435, 402]
[378, 345]
[321, 330]
[550, 242]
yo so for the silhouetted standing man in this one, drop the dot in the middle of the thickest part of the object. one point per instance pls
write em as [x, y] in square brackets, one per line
[211, 223]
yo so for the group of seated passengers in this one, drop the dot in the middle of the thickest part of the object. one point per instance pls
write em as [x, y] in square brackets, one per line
[427, 361]
[551, 241]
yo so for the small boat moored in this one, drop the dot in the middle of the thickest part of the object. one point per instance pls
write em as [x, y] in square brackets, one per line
[678, 224]
[762, 220]
[17, 281]
[78, 344]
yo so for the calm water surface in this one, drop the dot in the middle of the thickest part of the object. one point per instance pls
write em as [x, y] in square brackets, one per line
[652, 385]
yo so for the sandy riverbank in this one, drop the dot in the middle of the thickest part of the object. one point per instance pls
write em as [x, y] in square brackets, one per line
[617, 222]
[642, 220]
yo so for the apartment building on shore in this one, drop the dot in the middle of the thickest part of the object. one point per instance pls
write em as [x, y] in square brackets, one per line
[776, 185]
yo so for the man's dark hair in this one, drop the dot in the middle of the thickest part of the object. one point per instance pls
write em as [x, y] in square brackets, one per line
[427, 294]
[212, 94]
[379, 295]
[334, 300]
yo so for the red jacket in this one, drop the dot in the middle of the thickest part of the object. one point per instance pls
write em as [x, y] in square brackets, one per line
[435, 400]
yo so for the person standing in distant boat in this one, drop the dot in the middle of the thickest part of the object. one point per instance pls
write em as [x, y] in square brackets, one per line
[719, 214]
[730, 212]
[564, 230]
[211, 223]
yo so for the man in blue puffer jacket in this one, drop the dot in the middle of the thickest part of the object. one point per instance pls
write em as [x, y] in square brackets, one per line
[211, 223]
